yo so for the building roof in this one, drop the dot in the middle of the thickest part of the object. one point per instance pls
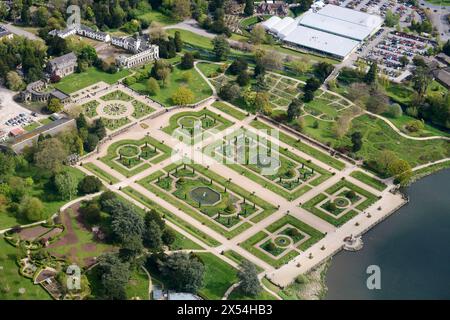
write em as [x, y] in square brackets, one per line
[280, 25]
[270, 22]
[321, 41]
[347, 23]
[443, 76]
[353, 16]
[69, 58]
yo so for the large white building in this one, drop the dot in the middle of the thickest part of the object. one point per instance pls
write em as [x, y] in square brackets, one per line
[331, 30]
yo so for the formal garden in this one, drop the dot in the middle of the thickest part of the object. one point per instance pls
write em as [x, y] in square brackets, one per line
[216, 202]
[117, 109]
[274, 168]
[340, 203]
[194, 125]
[129, 157]
[281, 241]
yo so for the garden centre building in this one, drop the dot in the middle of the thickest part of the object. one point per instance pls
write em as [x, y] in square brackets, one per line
[332, 30]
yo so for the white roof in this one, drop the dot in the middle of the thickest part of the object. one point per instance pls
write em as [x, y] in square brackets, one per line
[353, 16]
[270, 22]
[342, 21]
[288, 29]
[321, 41]
[280, 25]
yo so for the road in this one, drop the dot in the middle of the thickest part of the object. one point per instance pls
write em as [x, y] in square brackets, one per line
[21, 32]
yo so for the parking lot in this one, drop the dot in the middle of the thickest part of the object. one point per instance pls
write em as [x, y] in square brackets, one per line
[12, 114]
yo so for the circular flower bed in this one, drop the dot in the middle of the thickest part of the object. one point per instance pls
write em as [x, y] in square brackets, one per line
[115, 109]
[282, 241]
[341, 202]
[129, 151]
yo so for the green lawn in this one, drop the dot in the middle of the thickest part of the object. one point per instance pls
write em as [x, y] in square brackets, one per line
[138, 285]
[78, 81]
[219, 276]
[237, 294]
[228, 109]
[100, 173]
[197, 85]
[210, 70]
[428, 130]
[236, 257]
[156, 16]
[183, 243]
[193, 39]
[11, 281]
[371, 181]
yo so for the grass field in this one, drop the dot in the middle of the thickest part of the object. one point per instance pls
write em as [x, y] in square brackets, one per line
[219, 276]
[11, 281]
[78, 81]
[371, 181]
[156, 16]
[138, 285]
[100, 173]
[197, 85]
[228, 109]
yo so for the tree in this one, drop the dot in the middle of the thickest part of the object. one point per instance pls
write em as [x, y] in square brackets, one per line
[91, 142]
[401, 171]
[322, 70]
[249, 7]
[91, 212]
[89, 184]
[50, 155]
[395, 111]
[181, 9]
[126, 223]
[153, 235]
[229, 92]
[377, 102]
[182, 96]
[41, 17]
[169, 236]
[115, 275]
[248, 276]
[7, 166]
[187, 61]
[271, 60]
[81, 121]
[262, 103]
[31, 208]
[55, 105]
[178, 41]
[14, 81]
[243, 79]
[404, 60]
[371, 75]
[383, 159]
[258, 34]
[300, 66]
[237, 66]
[157, 32]
[294, 109]
[183, 271]
[312, 84]
[153, 86]
[421, 79]
[356, 141]
[391, 19]
[67, 185]
[221, 47]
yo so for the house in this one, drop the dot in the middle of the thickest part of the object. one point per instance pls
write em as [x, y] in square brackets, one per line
[442, 57]
[39, 91]
[83, 31]
[279, 8]
[16, 132]
[63, 66]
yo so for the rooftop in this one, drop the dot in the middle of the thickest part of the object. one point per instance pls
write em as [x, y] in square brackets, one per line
[322, 41]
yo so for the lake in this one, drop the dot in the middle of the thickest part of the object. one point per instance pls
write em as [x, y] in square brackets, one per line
[411, 247]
